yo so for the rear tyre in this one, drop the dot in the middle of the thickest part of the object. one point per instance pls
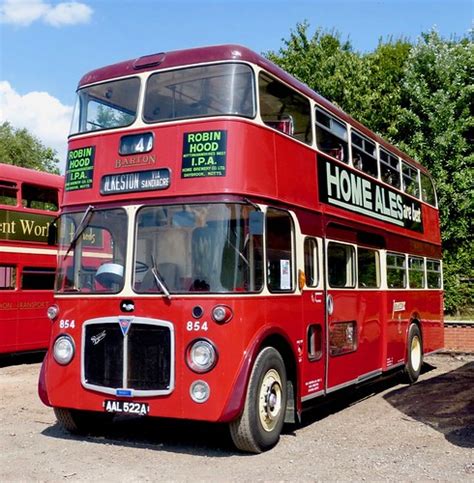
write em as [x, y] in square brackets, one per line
[82, 422]
[261, 422]
[415, 354]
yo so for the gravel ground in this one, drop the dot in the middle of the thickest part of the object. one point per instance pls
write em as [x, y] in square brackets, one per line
[385, 431]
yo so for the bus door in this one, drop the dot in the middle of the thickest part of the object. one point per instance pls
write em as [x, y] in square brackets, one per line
[313, 377]
[354, 306]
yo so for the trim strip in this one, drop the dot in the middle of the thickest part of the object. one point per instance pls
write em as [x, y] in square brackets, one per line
[31, 250]
[362, 378]
[312, 395]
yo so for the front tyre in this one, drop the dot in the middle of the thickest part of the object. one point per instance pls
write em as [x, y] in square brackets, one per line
[415, 354]
[81, 422]
[261, 422]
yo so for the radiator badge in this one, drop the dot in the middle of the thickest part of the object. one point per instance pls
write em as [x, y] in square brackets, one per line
[95, 339]
[125, 324]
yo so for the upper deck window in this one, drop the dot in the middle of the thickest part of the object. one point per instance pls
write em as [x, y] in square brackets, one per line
[364, 155]
[331, 135]
[427, 190]
[106, 106]
[410, 180]
[39, 197]
[8, 191]
[390, 168]
[284, 109]
[213, 90]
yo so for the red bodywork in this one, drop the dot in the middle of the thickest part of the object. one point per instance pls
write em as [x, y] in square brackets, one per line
[267, 167]
[24, 325]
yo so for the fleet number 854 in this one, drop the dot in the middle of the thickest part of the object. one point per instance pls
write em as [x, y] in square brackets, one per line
[67, 324]
[196, 326]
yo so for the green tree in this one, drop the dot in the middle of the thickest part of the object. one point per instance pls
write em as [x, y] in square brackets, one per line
[418, 96]
[21, 148]
[435, 125]
[327, 64]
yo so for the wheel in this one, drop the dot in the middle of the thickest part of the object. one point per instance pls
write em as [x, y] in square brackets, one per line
[415, 354]
[81, 422]
[261, 422]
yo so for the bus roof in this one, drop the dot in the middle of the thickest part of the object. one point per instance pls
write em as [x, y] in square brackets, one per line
[229, 52]
[17, 173]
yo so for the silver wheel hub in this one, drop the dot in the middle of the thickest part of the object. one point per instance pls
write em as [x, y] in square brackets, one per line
[270, 400]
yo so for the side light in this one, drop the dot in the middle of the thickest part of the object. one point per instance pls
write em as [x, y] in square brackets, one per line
[52, 312]
[201, 356]
[200, 391]
[63, 350]
[222, 314]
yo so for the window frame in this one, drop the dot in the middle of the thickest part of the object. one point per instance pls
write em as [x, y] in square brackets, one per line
[292, 257]
[385, 164]
[412, 258]
[405, 269]
[372, 156]
[315, 261]
[378, 271]
[332, 120]
[12, 270]
[308, 136]
[351, 274]
[407, 171]
[439, 272]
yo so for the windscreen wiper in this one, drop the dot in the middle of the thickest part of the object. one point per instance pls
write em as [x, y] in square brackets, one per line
[80, 228]
[159, 279]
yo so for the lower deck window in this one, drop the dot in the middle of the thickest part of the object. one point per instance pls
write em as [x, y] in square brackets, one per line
[7, 277]
[416, 272]
[34, 278]
[368, 271]
[433, 273]
[279, 251]
[340, 265]
[396, 271]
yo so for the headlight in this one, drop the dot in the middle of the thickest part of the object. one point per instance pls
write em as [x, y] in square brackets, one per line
[63, 350]
[201, 356]
[52, 312]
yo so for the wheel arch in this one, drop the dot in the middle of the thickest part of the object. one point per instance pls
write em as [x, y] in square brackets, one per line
[415, 318]
[268, 337]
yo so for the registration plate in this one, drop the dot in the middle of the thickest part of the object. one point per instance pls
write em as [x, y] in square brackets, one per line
[127, 407]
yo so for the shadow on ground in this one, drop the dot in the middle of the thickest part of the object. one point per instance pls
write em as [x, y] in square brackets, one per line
[342, 399]
[177, 436]
[445, 402]
[7, 360]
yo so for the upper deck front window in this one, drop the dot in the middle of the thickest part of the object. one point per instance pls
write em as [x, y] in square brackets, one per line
[105, 106]
[213, 90]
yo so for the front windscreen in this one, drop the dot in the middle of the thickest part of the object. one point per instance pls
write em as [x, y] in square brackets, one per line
[106, 106]
[213, 90]
[198, 248]
[92, 250]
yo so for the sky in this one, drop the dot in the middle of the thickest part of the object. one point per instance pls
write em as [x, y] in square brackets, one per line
[46, 46]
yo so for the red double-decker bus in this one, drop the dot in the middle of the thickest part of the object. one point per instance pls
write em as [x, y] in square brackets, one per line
[29, 201]
[256, 249]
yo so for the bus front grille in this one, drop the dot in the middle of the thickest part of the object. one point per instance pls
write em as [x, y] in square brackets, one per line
[141, 360]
